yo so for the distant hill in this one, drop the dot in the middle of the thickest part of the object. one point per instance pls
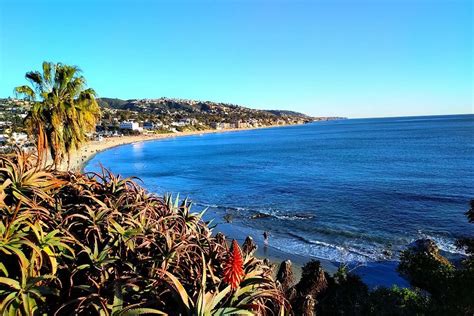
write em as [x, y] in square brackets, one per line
[287, 113]
[169, 105]
[112, 103]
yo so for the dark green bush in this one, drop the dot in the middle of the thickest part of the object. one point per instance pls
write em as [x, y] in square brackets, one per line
[397, 301]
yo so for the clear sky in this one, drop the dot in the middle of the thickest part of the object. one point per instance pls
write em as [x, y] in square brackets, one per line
[349, 58]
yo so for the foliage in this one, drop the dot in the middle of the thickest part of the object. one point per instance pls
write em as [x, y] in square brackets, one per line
[426, 268]
[101, 245]
[450, 287]
[64, 110]
[397, 301]
[345, 294]
[98, 244]
[439, 287]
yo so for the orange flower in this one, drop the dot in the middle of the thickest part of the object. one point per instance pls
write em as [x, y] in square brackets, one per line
[234, 266]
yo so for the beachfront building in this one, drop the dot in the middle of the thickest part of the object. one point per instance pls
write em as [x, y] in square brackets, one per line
[239, 124]
[14, 139]
[216, 125]
[148, 125]
[221, 125]
[253, 123]
[177, 124]
[184, 122]
[133, 126]
[151, 125]
[19, 138]
[188, 121]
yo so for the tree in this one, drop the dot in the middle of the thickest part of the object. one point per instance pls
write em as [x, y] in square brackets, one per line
[450, 286]
[63, 112]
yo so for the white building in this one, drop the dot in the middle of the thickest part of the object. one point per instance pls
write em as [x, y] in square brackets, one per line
[178, 124]
[188, 121]
[218, 125]
[19, 138]
[129, 125]
[152, 125]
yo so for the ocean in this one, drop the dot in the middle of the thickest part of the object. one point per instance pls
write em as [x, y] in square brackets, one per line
[355, 190]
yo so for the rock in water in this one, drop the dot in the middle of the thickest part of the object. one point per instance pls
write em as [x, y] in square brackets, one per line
[428, 247]
[260, 215]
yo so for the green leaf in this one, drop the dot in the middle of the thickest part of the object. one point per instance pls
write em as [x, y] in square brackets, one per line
[11, 283]
[201, 300]
[117, 304]
[216, 299]
[179, 289]
[141, 311]
[3, 304]
[3, 269]
[232, 311]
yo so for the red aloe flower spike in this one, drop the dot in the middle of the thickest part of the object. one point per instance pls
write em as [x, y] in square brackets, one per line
[234, 266]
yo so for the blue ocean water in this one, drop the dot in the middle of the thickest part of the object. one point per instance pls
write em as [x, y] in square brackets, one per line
[349, 190]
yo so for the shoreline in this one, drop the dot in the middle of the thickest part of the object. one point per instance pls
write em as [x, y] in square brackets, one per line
[81, 157]
[373, 273]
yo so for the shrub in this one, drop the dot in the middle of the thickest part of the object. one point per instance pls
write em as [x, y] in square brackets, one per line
[346, 295]
[449, 288]
[425, 267]
[99, 244]
[397, 301]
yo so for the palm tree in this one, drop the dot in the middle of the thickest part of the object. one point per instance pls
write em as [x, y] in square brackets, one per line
[63, 112]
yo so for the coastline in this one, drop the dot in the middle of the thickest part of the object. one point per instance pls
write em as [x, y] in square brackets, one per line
[79, 158]
[374, 274]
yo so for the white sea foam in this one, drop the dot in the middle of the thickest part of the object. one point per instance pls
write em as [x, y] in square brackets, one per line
[329, 251]
[444, 243]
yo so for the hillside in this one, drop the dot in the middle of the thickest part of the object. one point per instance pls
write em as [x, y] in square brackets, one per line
[193, 107]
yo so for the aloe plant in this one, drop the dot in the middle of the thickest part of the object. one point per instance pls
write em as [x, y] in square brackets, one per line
[102, 245]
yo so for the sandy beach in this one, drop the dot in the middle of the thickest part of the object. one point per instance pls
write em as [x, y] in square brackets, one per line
[80, 157]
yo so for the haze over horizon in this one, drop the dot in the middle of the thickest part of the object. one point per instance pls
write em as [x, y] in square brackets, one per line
[323, 58]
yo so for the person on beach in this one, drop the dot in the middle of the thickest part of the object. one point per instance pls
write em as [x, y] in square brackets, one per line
[266, 235]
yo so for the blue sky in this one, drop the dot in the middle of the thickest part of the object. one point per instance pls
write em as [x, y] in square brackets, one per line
[349, 58]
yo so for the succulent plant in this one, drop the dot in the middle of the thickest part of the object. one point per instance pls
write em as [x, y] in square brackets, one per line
[98, 244]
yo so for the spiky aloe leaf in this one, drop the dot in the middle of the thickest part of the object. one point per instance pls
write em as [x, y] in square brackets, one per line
[141, 311]
[180, 290]
[232, 311]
